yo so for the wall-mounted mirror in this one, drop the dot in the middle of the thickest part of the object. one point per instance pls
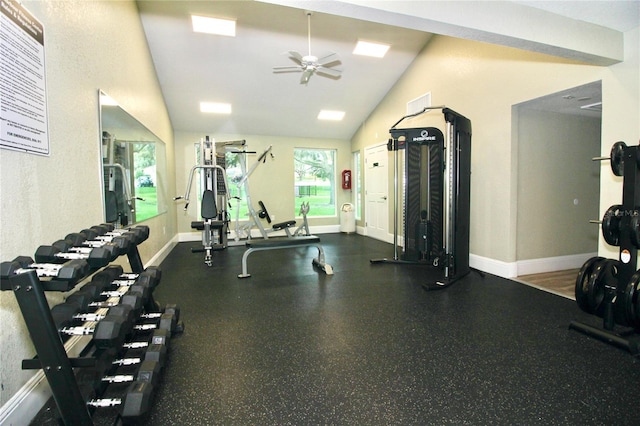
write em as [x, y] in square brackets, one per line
[133, 167]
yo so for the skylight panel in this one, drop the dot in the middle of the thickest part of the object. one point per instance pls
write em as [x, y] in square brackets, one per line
[215, 107]
[330, 115]
[368, 48]
[218, 26]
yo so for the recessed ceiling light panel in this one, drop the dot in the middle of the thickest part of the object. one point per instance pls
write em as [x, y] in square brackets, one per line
[215, 107]
[204, 24]
[368, 48]
[330, 115]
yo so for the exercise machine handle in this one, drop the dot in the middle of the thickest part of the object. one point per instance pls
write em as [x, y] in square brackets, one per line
[193, 169]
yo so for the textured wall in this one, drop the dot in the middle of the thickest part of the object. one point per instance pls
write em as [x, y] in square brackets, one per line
[482, 82]
[88, 45]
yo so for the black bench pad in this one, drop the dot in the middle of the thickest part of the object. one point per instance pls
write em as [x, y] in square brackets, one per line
[282, 225]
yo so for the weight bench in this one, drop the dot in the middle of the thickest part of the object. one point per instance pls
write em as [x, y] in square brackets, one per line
[285, 243]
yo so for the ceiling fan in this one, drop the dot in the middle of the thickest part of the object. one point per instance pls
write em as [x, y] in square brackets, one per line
[310, 64]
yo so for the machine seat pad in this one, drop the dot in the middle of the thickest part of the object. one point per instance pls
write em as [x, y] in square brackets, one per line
[209, 209]
[283, 225]
[283, 242]
[199, 225]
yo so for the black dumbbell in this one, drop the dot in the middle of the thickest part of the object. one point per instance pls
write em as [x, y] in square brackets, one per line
[155, 348]
[158, 337]
[115, 326]
[109, 368]
[92, 238]
[71, 270]
[87, 239]
[79, 301]
[133, 405]
[110, 331]
[148, 370]
[153, 352]
[135, 234]
[96, 258]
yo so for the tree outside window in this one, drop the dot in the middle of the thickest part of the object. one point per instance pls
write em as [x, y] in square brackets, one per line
[314, 183]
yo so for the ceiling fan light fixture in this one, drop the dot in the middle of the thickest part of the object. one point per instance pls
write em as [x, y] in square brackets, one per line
[369, 48]
[218, 26]
[326, 114]
[215, 108]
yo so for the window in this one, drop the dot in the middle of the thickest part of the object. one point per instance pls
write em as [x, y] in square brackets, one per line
[234, 163]
[315, 178]
[236, 168]
[357, 185]
[144, 160]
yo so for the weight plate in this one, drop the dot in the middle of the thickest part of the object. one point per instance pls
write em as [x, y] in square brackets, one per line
[604, 272]
[583, 279]
[617, 158]
[629, 298]
[611, 225]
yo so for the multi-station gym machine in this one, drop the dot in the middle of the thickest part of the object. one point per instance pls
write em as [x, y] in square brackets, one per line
[610, 288]
[436, 196]
[215, 196]
[119, 203]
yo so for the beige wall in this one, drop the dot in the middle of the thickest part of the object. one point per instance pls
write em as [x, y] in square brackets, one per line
[482, 82]
[88, 45]
[271, 182]
[555, 172]
[100, 44]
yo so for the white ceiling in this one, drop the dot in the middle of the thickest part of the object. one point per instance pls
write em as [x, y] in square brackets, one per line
[198, 67]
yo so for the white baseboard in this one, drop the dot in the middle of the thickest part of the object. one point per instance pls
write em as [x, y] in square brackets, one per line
[550, 264]
[164, 252]
[27, 402]
[527, 267]
[493, 266]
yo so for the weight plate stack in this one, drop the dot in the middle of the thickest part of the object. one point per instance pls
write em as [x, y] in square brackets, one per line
[582, 280]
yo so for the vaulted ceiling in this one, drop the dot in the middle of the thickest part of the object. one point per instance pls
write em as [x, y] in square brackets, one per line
[195, 67]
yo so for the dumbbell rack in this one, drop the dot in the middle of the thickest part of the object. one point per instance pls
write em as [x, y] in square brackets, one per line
[610, 288]
[29, 290]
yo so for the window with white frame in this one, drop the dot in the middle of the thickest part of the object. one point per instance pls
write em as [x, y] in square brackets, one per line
[315, 181]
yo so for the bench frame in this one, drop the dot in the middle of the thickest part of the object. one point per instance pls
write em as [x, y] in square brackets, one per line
[286, 243]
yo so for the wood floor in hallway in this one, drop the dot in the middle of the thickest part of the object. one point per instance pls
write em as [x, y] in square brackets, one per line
[558, 282]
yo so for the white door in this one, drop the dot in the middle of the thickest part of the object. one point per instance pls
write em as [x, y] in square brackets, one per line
[376, 189]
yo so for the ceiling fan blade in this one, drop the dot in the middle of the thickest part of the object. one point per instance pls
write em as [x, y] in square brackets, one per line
[306, 76]
[333, 57]
[329, 71]
[287, 69]
[295, 55]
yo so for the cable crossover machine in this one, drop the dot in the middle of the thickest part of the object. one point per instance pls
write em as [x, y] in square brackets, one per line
[436, 196]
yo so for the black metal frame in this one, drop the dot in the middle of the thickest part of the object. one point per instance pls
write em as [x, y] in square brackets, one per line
[615, 328]
[443, 161]
[52, 357]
